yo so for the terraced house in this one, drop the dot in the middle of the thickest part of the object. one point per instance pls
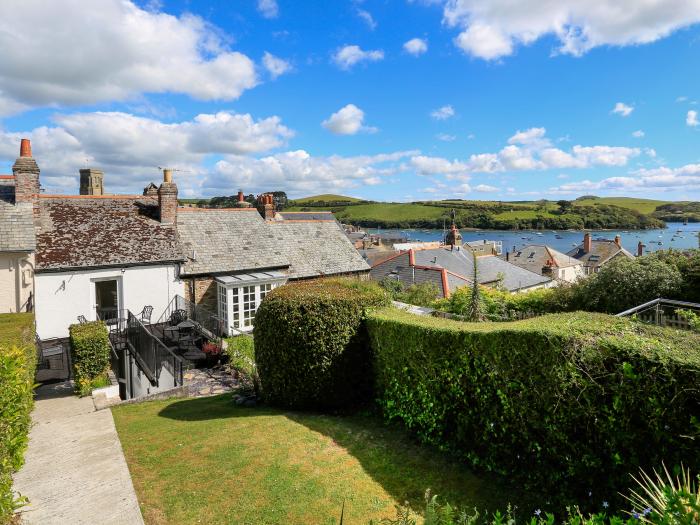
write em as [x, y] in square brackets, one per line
[95, 256]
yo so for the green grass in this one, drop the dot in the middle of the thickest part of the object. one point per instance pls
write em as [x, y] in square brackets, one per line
[207, 461]
[16, 329]
[523, 214]
[326, 197]
[641, 205]
[393, 212]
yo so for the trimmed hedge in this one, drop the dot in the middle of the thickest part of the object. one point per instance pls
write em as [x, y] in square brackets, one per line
[90, 349]
[311, 346]
[569, 404]
[17, 369]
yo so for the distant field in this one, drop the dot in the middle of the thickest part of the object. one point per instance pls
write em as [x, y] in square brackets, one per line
[641, 205]
[392, 212]
[327, 197]
[523, 214]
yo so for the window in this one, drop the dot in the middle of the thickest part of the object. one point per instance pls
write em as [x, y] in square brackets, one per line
[236, 308]
[264, 290]
[223, 304]
[249, 305]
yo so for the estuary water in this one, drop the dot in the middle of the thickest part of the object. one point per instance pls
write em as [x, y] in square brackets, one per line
[675, 235]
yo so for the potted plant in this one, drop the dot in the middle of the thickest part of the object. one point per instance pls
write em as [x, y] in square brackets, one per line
[213, 352]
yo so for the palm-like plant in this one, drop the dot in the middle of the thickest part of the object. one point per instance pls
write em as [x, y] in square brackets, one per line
[677, 499]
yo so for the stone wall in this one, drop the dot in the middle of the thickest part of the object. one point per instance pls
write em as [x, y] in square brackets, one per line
[202, 292]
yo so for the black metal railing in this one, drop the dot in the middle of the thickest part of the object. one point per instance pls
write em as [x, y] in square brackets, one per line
[180, 309]
[150, 353]
[662, 312]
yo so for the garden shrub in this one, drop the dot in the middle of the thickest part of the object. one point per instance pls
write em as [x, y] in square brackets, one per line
[311, 346]
[90, 349]
[17, 369]
[241, 353]
[566, 403]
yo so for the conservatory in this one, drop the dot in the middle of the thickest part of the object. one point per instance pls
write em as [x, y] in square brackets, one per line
[239, 296]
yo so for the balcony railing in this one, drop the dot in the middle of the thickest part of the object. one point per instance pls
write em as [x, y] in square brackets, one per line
[662, 312]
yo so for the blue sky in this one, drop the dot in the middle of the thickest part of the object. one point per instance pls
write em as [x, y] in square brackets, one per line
[388, 100]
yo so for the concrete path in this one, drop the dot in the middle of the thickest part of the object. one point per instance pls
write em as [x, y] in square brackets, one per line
[74, 470]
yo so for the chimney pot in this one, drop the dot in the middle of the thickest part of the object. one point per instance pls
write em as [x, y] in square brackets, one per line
[25, 148]
[241, 198]
[587, 243]
[167, 175]
[640, 249]
[618, 240]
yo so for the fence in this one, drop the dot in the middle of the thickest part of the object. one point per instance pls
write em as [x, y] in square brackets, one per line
[662, 312]
[208, 323]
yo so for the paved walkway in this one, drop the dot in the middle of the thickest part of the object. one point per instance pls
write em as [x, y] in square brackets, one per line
[74, 470]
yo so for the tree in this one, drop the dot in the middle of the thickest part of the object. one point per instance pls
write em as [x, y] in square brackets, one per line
[564, 206]
[624, 283]
[474, 312]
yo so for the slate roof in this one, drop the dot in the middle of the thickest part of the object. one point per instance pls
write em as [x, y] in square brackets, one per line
[535, 256]
[459, 264]
[16, 220]
[316, 247]
[227, 240]
[90, 231]
[489, 268]
[602, 250]
[306, 215]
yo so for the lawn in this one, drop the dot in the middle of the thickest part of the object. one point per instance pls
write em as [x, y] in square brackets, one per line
[208, 461]
[645, 206]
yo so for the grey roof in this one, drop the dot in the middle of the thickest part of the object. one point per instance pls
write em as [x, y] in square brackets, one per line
[316, 248]
[535, 256]
[16, 227]
[82, 231]
[242, 279]
[227, 240]
[460, 263]
[602, 250]
[307, 215]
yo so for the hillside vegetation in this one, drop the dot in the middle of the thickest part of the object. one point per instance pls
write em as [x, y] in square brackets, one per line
[589, 212]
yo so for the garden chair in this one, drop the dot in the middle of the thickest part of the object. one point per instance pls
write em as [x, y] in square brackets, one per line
[146, 314]
[177, 317]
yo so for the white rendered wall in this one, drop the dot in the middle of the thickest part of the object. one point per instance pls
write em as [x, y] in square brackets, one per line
[16, 281]
[62, 297]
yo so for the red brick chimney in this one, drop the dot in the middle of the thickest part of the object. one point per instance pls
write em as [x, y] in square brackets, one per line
[640, 249]
[266, 206]
[618, 240]
[167, 198]
[26, 172]
[241, 197]
[587, 243]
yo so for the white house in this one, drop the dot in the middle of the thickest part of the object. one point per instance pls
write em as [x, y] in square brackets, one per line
[98, 255]
[547, 261]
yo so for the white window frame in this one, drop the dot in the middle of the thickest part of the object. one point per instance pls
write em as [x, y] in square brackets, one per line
[239, 317]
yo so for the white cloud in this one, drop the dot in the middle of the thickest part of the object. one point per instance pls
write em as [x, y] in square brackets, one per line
[438, 166]
[299, 173]
[445, 137]
[485, 188]
[493, 29]
[416, 46]
[643, 180]
[348, 56]
[129, 147]
[367, 18]
[268, 8]
[443, 113]
[691, 119]
[276, 66]
[622, 109]
[348, 120]
[76, 52]
[528, 150]
[638, 134]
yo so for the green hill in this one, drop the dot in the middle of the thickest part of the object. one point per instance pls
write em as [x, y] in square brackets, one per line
[326, 197]
[640, 205]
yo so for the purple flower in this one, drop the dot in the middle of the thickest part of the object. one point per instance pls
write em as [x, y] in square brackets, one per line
[647, 511]
[636, 515]
[538, 512]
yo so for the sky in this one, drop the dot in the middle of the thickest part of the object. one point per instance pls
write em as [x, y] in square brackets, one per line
[395, 100]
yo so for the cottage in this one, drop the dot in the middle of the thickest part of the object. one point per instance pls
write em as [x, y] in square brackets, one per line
[235, 256]
[17, 247]
[595, 253]
[547, 261]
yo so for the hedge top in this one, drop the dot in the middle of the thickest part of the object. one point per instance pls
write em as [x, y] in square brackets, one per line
[367, 293]
[591, 329]
[16, 329]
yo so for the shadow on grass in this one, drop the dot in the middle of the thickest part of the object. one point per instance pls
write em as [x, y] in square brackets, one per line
[404, 468]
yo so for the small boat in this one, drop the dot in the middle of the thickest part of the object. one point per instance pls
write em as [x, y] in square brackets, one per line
[538, 233]
[558, 237]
